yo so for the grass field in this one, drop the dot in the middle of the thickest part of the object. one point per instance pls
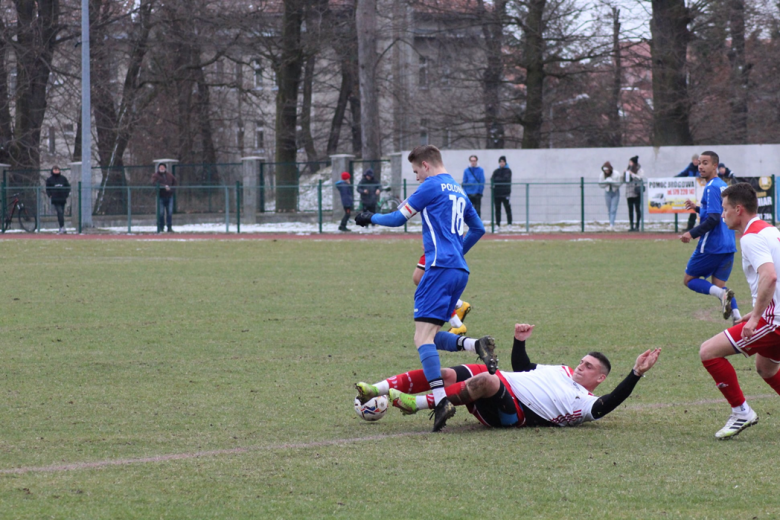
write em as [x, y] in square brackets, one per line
[213, 379]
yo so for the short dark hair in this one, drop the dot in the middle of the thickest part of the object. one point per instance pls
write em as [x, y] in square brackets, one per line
[474, 156]
[713, 155]
[427, 153]
[743, 194]
[603, 360]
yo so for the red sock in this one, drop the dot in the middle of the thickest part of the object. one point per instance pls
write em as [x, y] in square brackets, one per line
[431, 401]
[455, 388]
[412, 382]
[774, 382]
[726, 380]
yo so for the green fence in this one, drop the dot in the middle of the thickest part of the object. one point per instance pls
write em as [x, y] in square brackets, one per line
[536, 207]
[302, 196]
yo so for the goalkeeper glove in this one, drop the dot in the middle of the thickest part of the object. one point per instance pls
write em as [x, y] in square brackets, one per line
[363, 218]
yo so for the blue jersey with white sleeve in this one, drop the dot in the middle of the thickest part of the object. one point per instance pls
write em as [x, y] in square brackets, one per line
[719, 239]
[444, 208]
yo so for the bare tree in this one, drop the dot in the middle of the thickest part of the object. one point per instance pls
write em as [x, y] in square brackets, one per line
[493, 21]
[366, 24]
[671, 105]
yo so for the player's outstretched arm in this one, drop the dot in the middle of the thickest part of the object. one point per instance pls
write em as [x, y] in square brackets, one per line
[608, 402]
[476, 228]
[520, 360]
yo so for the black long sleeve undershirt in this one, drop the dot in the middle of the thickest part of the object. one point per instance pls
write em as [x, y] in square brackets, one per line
[520, 360]
[612, 400]
[710, 223]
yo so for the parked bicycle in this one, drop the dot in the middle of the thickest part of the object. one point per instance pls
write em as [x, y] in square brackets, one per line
[387, 201]
[26, 218]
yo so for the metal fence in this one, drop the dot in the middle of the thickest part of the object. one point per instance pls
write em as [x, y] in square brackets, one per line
[536, 206]
[302, 196]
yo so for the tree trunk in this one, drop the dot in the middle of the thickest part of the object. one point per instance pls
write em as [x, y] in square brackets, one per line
[288, 79]
[533, 58]
[345, 91]
[306, 138]
[367, 62]
[740, 73]
[37, 25]
[493, 32]
[615, 134]
[671, 106]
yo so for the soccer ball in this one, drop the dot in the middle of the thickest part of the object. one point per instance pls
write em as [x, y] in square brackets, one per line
[373, 410]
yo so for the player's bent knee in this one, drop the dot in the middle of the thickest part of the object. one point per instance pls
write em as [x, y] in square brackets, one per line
[766, 368]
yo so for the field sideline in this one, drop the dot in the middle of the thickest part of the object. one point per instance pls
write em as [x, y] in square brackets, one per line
[211, 378]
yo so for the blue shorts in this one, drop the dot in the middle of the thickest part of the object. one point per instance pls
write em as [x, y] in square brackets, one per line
[704, 265]
[438, 293]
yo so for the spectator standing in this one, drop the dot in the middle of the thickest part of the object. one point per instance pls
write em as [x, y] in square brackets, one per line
[610, 182]
[165, 182]
[474, 183]
[347, 200]
[725, 174]
[634, 177]
[692, 170]
[369, 190]
[58, 189]
[501, 181]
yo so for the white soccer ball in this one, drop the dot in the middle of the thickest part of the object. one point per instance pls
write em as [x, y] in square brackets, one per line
[373, 410]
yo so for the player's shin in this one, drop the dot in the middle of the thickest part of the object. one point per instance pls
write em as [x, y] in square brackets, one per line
[411, 382]
[726, 380]
[702, 286]
[447, 341]
[774, 382]
[432, 368]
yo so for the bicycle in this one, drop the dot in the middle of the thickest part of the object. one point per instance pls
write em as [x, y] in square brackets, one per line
[388, 203]
[26, 219]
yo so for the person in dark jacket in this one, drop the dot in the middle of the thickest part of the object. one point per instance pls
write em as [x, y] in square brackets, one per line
[474, 183]
[502, 188]
[347, 201]
[58, 189]
[369, 190]
[165, 181]
[692, 170]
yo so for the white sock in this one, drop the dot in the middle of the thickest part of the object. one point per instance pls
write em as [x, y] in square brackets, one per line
[459, 304]
[439, 394]
[422, 402]
[468, 344]
[455, 322]
[742, 410]
[735, 314]
[717, 292]
[383, 387]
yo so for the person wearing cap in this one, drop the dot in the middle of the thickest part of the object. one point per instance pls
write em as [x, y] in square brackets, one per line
[345, 191]
[58, 189]
[501, 181]
[634, 178]
[165, 182]
[369, 190]
[692, 170]
[726, 174]
[610, 182]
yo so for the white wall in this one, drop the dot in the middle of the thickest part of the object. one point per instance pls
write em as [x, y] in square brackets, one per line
[561, 202]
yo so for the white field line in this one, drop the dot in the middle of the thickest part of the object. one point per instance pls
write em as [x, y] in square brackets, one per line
[74, 466]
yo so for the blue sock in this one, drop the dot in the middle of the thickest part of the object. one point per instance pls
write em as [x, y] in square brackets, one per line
[734, 303]
[430, 363]
[446, 341]
[700, 285]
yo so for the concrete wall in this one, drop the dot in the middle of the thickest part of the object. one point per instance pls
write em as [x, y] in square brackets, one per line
[559, 200]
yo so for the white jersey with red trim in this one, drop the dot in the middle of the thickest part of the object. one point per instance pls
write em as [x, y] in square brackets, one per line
[550, 392]
[760, 245]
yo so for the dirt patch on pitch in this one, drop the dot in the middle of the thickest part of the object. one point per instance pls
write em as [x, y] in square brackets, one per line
[707, 315]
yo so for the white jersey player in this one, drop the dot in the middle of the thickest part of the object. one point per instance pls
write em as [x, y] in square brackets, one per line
[530, 395]
[757, 332]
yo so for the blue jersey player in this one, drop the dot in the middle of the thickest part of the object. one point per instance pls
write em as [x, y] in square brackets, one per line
[714, 254]
[444, 208]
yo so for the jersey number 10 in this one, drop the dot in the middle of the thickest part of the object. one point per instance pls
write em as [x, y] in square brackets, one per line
[458, 207]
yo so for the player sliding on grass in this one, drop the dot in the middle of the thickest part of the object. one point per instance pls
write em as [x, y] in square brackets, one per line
[714, 254]
[532, 395]
[444, 208]
[461, 308]
[757, 332]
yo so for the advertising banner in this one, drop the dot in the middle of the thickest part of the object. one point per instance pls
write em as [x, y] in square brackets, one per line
[765, 192]
[668, 194]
